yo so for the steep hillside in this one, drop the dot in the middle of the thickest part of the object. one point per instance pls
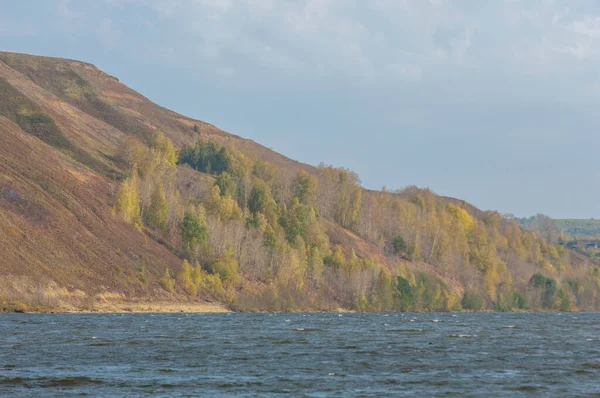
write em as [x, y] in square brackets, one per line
[108, 200]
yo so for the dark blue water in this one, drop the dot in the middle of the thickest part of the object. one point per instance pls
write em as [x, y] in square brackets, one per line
[300, 354]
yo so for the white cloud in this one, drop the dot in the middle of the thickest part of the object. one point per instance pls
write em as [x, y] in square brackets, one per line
[588, 26]
[365, 41]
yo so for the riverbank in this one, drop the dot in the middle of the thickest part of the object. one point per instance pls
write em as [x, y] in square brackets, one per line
[124, 307]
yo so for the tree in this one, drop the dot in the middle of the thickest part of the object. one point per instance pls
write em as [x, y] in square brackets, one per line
[315, 266]
[406, 294]
[295, 220]
[399, 245]
[225, 208]
[167, 281]
[224, 183]
[186, 278]
[348, 199]
[336, 259]
[472, 301]
[193, 231]
[157, 213]
[132, 152]
[383, 296]
[163, 145]
[207, 157]
[463, 220]
[260, 200]
[258, 197]
[226, 267]
[305, 188]
[127, 201]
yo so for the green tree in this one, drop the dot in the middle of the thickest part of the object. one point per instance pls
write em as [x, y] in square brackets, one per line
[519, 301]
[258, 197]
[295, 221]
[399, 245]
[207, 157]
[194, 233]
[224, 183]
[260, 200]
[472, 301]
[406, 294]
[305, 188]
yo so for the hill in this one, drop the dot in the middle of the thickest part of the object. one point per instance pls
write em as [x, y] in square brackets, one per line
[576, 227]
[109, 201]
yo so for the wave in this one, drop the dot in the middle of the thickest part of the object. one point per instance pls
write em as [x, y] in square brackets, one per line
[50, 381]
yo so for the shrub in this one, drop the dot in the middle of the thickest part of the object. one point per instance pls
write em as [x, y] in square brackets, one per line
[472, 301]
[519, 301]
[399, 245]
[406, 294]
[167, 281]
[226, 267]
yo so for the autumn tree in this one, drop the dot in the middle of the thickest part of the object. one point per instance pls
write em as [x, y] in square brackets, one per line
[167, 281]
[127, 203]
[163, 145]
[226, 267]
[157, 213]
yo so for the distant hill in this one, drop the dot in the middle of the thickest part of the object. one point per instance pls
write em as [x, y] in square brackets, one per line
[111, 202]
[578, 227]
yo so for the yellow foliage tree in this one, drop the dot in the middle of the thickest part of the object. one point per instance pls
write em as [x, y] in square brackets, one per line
[127, 203]
[185, 277]
[226, 267]
[157, 213]
[167, 281]
[163, 145]
[462, 218]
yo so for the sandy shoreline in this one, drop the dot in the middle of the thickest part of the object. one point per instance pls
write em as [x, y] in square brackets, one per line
[143, 307]
[130, 307]
[158, 307]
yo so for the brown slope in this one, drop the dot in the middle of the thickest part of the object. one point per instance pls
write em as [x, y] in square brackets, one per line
[104, 98]
[57, 228]
[61, 125]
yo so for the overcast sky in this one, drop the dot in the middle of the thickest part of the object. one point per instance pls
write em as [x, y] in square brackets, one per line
[496, 102]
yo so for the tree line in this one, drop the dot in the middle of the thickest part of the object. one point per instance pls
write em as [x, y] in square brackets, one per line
[255, 236]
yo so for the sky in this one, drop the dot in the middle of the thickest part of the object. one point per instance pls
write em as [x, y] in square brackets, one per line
[491, 101]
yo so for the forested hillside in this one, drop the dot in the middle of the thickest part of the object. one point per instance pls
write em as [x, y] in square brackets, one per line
[106, 196]
[576, 227]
